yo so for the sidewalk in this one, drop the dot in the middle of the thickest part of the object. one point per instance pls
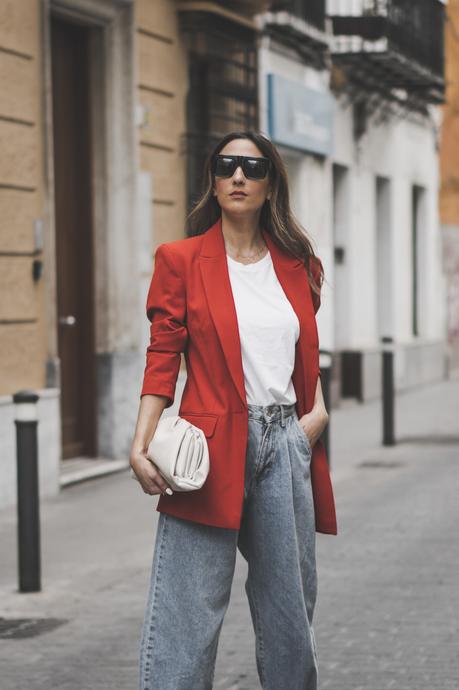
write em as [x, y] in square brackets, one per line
[430, 413]
[97, 545]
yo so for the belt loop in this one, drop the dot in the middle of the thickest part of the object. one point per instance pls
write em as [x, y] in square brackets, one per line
[282, 416]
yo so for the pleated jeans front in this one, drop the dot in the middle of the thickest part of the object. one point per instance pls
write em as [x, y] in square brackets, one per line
[193, 567]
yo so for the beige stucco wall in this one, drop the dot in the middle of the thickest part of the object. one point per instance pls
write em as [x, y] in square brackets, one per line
[22, 337]
[449, 148]
[161, 92]
[161, 83]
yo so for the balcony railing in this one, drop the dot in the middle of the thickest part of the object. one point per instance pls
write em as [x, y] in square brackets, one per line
[311, 11]
[300, 25]
[403, 37]
[223, 86]
[416, 29]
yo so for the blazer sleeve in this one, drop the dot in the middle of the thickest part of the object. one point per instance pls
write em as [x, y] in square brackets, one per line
[315, 269]
[166, 310]
[316, 265]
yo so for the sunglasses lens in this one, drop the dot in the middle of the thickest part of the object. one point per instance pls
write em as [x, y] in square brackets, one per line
[255, 168]
[224, 166]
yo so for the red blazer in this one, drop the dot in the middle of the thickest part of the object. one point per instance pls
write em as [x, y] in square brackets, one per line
[191, 308]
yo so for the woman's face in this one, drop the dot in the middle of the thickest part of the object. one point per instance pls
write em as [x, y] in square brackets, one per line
[255, 191]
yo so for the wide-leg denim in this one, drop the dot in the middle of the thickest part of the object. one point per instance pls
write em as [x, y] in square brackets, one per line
[193, 566]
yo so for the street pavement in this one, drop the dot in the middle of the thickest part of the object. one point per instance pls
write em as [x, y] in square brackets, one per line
[387, 615]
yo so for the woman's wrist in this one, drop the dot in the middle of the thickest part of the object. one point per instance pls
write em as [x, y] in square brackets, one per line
[141, 446]
[320, 413]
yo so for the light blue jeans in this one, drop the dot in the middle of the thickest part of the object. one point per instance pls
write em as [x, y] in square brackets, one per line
[193, 567]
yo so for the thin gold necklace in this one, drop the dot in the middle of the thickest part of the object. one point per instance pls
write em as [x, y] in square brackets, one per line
[249, 256]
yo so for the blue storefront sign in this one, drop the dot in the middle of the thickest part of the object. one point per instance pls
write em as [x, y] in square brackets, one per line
[300, 117]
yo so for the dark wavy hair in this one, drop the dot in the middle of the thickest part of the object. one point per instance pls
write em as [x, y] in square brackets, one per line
[276, 216]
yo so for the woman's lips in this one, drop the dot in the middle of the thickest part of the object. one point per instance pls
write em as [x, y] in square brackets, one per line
[238, 194]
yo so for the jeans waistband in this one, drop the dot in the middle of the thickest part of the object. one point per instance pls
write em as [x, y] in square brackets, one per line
[271, 413]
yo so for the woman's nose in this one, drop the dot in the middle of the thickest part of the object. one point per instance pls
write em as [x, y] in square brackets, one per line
[238, 174]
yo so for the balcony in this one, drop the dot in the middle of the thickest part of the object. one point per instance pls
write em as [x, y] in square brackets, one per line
[300, 24]
[392, 45]
[223, 82]
[310, 11]
[242, 9]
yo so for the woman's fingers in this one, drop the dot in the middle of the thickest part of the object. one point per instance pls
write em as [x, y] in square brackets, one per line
[312, 437]
[155, 483]
[158, 479]
[150, 478]
[152, 489]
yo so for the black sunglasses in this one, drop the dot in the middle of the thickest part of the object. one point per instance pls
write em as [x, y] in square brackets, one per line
[253, 167]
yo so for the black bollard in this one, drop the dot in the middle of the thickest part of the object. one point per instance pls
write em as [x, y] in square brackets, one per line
[27, 491]
[388, 401]
[325, 380]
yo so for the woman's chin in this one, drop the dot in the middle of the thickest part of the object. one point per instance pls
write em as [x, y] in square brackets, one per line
[240, 210]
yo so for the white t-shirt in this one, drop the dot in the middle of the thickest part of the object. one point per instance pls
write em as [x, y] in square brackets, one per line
[268, 330]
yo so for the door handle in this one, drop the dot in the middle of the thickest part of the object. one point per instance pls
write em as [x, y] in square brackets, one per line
[67, 320]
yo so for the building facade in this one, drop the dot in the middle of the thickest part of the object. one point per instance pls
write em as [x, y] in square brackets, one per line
[102, 122]
[107, 110]
[449, 191]
[350, 90]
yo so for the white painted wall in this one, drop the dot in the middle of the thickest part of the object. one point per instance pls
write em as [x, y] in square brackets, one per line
[310, 177]
[404, 153]
[372, 291]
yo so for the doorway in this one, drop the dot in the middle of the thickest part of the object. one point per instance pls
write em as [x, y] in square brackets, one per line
[342, 259]
[383, 259]
[72, 153]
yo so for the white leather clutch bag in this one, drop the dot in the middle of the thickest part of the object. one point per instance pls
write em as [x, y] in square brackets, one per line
[179, 450]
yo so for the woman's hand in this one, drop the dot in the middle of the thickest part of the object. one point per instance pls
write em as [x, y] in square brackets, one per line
[314, 422]
[150, 479]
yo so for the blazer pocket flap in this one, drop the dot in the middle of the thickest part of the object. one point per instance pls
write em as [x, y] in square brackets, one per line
[206, 422]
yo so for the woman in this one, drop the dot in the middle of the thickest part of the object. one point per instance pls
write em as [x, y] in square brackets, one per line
[238, 298]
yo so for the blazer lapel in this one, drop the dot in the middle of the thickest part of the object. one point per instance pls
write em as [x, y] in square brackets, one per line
[292, 276]
[217, 285]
